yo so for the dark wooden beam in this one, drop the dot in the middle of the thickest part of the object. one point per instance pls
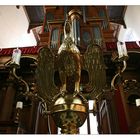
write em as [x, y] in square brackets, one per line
[34, 25]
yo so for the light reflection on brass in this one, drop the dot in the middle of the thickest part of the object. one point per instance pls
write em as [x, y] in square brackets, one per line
[72, 107]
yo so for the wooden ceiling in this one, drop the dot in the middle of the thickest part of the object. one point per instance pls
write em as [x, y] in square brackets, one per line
[36, 15]
[116, 14]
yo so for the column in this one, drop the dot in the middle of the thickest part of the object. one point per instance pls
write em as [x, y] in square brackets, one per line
[75, 19]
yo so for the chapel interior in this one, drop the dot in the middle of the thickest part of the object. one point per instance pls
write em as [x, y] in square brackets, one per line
[81, 68]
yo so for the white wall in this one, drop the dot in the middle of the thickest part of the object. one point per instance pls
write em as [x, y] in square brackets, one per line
[13, 28]
[132, 20]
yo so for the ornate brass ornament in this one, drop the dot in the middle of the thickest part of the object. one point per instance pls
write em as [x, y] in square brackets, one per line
[69, 107]
[119, 57]
[69, 113]
[92, 62]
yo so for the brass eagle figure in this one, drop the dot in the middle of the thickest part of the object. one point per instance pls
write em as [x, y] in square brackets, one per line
[68, 61]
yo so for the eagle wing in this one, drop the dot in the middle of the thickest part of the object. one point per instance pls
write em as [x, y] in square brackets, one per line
[93, 63]
[45, 75]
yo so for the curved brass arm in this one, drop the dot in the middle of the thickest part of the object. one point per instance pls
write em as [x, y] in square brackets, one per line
[119, 73]
[113, 81]
[26, 56]
[18, 78]
[124, 66]
[27, 86]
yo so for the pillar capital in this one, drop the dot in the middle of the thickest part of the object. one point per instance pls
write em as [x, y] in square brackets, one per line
[74, 14]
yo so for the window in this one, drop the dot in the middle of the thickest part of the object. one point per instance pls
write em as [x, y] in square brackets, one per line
[96, 32]
[54, 38]
[86, 38]
[102, 15]
[97, 37]
[49, 16]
